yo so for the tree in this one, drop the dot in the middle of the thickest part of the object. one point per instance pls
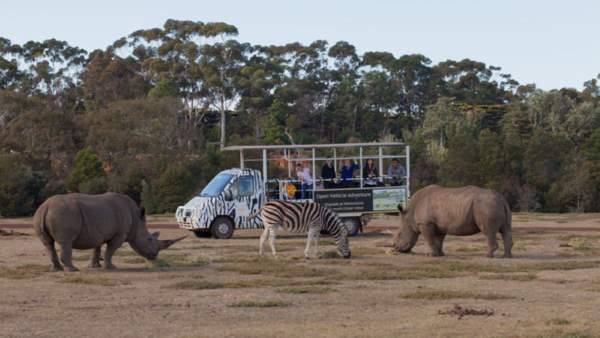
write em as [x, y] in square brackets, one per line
[221, 65]
[19, 187]
[87, 168]
[172, 189]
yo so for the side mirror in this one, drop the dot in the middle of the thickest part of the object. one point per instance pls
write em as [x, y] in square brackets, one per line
[228, 195]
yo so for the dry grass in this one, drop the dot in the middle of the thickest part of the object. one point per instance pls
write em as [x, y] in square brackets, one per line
[12, 233]
[23, 271]
[449, 294]
[94, 280]
[260, 303]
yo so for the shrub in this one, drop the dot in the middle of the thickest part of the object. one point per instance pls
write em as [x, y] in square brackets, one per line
[87, 167]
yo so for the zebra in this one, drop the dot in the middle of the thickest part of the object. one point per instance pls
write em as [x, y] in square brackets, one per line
[300, 217]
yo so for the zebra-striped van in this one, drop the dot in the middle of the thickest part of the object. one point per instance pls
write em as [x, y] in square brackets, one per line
[224, 204]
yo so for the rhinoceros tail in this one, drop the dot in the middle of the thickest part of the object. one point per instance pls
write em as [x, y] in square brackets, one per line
[508, 215]
[39, 224]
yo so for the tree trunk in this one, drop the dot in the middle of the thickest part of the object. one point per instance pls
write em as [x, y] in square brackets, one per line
[222, 142]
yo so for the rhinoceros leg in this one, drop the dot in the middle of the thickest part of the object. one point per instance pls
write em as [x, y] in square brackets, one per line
[66, 252]
[111, 247]
[53, 256]
[434, 239]
[492, 243]
[95, 263]
[49, 245]
[507, 241]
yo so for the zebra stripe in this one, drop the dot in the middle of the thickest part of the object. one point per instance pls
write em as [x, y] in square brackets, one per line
[302, 217]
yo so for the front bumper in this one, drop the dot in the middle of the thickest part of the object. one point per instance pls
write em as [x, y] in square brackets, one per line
[189, 219]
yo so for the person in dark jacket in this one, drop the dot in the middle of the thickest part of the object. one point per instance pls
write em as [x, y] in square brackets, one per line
[370, 174]
[328, 175]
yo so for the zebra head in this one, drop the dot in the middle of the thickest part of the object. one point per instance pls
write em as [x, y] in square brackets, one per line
[336, 227]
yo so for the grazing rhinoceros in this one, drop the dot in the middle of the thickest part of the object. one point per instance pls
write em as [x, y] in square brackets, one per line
[79, 221]
[435, 212]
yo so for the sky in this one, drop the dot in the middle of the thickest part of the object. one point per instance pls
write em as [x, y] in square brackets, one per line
[553, 44]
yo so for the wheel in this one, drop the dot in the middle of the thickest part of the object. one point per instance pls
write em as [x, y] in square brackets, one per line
[221, 228]
[204, 233]
[352, 224]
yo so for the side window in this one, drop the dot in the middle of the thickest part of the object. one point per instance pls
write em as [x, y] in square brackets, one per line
[246, 186]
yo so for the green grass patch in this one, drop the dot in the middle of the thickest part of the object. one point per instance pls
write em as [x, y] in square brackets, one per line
[510, 277]
[191, 262]
[23, 271]
[561, 334]
[125, 253]
[579, 243]
[305, 289]
[82, 258]
[496, 267]
[404, 273]
[448, 294]
[103, 281]
[471, 248]
[194, 284]
[157, 263]
[135, 260]
[330, 255]
[444, 268]
[260, 303]
[276, 268]
[558, 321]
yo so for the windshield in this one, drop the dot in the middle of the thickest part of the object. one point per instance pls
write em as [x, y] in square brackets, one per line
[216, 185]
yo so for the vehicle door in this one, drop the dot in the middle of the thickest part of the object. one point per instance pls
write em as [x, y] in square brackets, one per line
[247, 201]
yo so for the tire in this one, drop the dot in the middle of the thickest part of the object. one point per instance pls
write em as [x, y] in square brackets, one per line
[222, 228]
[204, 233]
[352, 224]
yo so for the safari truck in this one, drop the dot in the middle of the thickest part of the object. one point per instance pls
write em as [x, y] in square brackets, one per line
[279, 172]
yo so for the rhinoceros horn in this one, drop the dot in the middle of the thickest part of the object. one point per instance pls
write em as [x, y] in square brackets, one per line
[163, 244]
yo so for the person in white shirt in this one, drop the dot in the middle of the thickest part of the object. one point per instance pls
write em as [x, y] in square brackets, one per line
[306, 180]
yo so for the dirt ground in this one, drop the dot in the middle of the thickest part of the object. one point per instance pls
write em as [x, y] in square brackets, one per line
[221, 288]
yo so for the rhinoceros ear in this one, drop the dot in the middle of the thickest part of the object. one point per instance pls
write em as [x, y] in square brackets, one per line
[400, 208]
[156, 234]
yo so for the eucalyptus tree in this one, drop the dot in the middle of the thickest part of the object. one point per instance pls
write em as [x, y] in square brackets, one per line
[182, 59]
[257, 81]
[345, 94]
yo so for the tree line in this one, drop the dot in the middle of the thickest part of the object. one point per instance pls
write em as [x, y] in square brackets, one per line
[147, 115]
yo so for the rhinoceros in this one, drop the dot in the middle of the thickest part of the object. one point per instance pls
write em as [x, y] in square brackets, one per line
[80, 221]
[436, 211]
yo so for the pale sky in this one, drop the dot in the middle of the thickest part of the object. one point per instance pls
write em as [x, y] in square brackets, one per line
[551, 43]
